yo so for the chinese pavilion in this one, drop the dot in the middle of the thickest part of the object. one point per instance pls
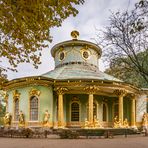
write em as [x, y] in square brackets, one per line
[74, 92]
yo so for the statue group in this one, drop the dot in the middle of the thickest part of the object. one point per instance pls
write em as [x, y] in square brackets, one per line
[8, 119]
[118, 123]
[94, 124]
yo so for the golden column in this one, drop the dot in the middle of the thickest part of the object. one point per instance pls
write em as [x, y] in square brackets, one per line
[120, 93]
[90, 108]
[133, 110]
[60, 92]
[91, 91]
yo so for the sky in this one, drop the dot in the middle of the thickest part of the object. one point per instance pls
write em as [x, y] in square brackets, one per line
[92, 14]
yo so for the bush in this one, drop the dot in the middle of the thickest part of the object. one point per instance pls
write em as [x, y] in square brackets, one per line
[68, 134]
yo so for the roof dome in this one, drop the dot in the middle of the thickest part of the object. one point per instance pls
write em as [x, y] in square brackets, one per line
[76, 51]
[77, 59]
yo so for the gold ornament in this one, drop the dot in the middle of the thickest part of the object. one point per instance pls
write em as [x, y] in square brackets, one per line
[74, 34]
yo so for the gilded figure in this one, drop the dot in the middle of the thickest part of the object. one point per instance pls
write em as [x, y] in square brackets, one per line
[119, 123]
[125, 123]
[21, 119]
[144, 120]
[7, 119]
[116, 122]
[97, 124]
[46, 118]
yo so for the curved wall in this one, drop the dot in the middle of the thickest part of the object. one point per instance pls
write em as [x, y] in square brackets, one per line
[75, 54]
[45, 102]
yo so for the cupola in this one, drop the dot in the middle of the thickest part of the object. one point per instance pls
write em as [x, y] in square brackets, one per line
[76, 52]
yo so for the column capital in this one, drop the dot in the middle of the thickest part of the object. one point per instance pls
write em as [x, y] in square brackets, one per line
[133, 96]
[61, 90]
[120, 92]
[91, 89]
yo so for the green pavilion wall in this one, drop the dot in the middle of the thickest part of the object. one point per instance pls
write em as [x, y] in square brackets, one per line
[45, 101]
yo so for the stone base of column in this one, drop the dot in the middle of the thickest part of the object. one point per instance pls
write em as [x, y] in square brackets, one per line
[61, 125]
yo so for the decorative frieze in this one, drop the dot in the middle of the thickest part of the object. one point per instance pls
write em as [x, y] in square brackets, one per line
[34, 92]
[91, 89]
[75, 99]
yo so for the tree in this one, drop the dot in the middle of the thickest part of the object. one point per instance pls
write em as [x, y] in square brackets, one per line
[117, 69]
[126, 37]
[25, 28]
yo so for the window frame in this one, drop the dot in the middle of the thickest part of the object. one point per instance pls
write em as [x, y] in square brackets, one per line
[106, 105]
[15, 118]
[30, 108]
[71, 110]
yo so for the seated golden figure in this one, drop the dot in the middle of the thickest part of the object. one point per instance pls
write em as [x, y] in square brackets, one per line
[119, 123]
[97, 124]
[21, 119]
[7, 119]
[125, 123]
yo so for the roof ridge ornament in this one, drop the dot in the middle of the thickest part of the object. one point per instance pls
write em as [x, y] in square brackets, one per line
[75, 34]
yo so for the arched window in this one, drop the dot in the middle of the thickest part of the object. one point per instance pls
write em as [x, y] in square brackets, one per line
[75, 111]
[33, 108]
[104, 112]
[16, 109]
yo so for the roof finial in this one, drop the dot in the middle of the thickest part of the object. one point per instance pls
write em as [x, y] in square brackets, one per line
[74, 34]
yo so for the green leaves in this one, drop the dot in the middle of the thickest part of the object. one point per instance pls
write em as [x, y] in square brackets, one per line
[122, 69]
[25, 26]
[126, 41]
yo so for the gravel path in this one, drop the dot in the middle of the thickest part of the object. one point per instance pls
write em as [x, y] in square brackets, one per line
[119, 142]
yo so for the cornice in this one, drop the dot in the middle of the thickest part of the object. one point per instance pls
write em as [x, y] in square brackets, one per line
[29, 81]
[44, 81]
